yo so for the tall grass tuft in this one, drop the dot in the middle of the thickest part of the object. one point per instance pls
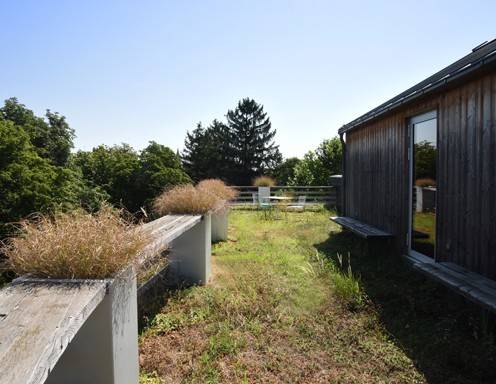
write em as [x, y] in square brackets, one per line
[346, 285]
[186, 199]
[218, 188]
[264, 181]
[75, 245]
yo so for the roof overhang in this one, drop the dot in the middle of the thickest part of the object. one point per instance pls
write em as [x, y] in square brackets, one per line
[481, 57]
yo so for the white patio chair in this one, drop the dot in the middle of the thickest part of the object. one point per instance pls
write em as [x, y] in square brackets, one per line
[299, 206]
[254, 195]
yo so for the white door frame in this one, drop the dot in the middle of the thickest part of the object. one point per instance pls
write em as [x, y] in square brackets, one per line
[411, 122]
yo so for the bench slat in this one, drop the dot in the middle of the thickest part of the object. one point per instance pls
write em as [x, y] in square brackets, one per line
[37, 322]
[361, 229]
[473, 286]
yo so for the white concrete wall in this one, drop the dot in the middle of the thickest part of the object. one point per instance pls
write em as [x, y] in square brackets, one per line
[220, 224]
[190, 254]
[105, 350]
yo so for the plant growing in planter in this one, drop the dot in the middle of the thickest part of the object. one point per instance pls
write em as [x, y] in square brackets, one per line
[220, 215]
[190, 253]
[185, 199]
[79, 269]
[218, 188]
[264, 183]
[75, 245]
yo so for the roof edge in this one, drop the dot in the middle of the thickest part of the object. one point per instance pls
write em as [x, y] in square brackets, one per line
[480, 56]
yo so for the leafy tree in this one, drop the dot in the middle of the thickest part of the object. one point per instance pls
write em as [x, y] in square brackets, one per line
[30, 183]
[112, 169]
[160, 168]
[309, 171]
[425, 160]
[284, 172]
[25, 178]
[252, 151]
[330, 154]
[60, 138]
[52, 138]
[130, 178]
[318, 166]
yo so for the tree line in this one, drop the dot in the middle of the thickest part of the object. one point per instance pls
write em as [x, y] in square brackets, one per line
[243, 147]
[39, 172]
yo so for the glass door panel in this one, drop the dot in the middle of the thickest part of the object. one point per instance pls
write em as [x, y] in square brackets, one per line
[424, 184]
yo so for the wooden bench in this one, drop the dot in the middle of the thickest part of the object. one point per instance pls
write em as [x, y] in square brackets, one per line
[363, 230]
[471, 285]
[85, 331]
[38, 321]
[367, 232]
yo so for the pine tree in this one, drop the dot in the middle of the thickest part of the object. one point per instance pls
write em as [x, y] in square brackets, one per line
[194, 152]
[252, 150]
[206, 152]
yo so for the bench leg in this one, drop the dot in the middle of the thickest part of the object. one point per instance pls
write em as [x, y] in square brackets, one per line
[105, 349]
[190, 254]
[219, 225]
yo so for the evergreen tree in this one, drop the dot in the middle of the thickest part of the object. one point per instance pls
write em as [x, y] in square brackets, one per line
[206, 152]
[197, 153]
[252, 149]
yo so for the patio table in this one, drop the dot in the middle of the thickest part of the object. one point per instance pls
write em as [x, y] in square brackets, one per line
[280, 198]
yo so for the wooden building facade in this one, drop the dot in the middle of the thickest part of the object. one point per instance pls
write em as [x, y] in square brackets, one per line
[422, 166]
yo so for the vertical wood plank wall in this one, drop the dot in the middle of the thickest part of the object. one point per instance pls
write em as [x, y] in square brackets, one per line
[377, 174]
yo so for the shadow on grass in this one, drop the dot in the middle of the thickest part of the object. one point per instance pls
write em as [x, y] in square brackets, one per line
[449, 339]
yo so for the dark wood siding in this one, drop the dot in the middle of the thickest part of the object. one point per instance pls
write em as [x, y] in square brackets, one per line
[377, 174]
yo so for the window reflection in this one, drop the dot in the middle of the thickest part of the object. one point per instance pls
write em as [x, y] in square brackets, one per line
[424, 187]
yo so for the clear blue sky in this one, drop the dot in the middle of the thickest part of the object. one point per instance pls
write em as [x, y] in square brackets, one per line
[134, 71]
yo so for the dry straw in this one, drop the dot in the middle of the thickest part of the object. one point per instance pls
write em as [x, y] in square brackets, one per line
[75, 245]
[264, 181]
[186, 199]
[218, 188]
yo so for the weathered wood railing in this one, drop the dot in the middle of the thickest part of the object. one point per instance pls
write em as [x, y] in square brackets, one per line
[85, 331]
[328, 195]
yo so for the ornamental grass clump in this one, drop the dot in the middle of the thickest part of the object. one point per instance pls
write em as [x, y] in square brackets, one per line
[75, 245]
[186, 199]
[264, 181]
[218, 188]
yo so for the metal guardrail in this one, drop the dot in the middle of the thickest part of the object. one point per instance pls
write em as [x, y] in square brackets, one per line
[314, 194]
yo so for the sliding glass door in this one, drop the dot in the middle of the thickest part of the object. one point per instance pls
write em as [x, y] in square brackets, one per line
[423, 158]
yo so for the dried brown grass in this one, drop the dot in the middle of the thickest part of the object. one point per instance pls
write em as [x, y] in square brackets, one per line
[74, 245]
[426, 182]
[218, 188]
[264, 181]
[186, 199]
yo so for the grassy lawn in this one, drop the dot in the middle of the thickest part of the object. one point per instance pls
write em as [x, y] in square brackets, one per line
[283, 307]
[425, 222]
